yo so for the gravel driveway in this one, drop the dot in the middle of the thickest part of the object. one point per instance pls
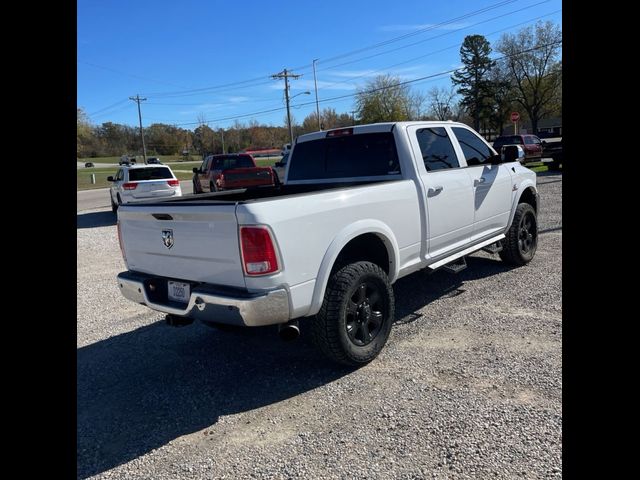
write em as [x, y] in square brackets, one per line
[468, 386]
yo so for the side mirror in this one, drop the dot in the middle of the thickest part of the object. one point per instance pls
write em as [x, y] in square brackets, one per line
[196, 170]
[277, 164]
[512, 153]
[544, 142]
[495, 159]
[110, 178]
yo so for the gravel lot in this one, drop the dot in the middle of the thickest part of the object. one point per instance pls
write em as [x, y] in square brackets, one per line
[468, 386]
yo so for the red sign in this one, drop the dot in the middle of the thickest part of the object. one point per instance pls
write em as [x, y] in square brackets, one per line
[515, 116]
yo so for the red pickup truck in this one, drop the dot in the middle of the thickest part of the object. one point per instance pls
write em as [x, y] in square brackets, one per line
[226, 172]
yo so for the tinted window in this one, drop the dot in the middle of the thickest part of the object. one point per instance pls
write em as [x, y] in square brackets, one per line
[284, 159]
[120, 175]
[367, 154]
[153, 173]
[474, 149]
[436, 148]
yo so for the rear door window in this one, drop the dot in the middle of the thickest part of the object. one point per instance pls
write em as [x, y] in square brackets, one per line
[437, 149]
[363, 155]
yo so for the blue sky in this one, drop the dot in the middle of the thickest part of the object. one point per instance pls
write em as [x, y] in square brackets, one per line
[213, 59]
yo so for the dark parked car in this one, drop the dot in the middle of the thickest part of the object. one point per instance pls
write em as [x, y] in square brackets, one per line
[531, 145]
[154, 161]
[88, 165]
[552, 148]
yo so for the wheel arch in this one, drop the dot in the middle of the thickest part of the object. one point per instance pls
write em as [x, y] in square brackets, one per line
[526, 193]
[372, 233]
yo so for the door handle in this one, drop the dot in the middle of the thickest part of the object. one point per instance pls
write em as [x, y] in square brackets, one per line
[435, 190]
[478, 181]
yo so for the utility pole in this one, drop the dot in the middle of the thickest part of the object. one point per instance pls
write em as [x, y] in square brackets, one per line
[284, 74]
[222, 134]
[137, 99]
[315, 82]
[353, 116]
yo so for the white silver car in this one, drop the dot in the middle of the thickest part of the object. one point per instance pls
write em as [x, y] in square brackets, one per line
[137, 183]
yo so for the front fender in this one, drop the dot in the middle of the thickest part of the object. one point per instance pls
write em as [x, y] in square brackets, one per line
[343, 237]
[518, 194]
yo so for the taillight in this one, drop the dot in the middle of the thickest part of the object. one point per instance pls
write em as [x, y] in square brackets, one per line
[340, 132]
[173, 183]
[120, 242]
[130, 185]
[258, 251]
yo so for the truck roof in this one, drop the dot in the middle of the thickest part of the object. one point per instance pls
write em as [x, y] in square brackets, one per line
[375, 127]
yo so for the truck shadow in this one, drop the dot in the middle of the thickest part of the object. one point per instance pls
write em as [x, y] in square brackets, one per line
[419, 289]
[139, 390]
[142, 389]
[95, 219]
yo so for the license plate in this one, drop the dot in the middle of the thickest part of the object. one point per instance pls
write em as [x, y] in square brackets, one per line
[178, 291]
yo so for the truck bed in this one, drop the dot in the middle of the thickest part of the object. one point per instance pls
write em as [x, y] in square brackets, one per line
[243, 195]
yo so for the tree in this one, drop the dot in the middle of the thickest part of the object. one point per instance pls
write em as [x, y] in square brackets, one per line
[85, 143]
[384, 99]
[474, 54]
[442, 104]
[531, 58]
[330, 119]
[500, 99]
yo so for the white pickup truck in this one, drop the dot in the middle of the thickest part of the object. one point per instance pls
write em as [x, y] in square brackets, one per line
[360, 207]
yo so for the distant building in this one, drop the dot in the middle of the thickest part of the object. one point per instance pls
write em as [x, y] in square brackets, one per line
[547, 127]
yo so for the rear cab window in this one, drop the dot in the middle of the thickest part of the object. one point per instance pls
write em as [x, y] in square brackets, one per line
[244, 162]
[153, 173]
[345, 157]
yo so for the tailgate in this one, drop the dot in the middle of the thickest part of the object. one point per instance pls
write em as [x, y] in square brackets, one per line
[152, 188]
[198, 243]
[247, 177]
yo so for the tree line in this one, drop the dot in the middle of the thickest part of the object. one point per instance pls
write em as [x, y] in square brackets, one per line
[527, 77]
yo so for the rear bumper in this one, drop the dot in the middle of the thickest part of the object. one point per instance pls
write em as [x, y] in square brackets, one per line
[208, 304]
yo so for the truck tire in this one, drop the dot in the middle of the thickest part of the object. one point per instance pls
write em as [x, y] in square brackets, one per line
[357, 312]
[519, 246]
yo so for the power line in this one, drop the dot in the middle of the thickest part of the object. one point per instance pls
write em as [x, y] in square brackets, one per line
[422, 30]
[353, 52]
[457, 45]
[139, 77]
[406, 82]
[332, 67]
[111, 112]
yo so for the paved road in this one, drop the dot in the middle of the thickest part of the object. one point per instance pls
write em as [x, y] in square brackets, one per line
[90, 199]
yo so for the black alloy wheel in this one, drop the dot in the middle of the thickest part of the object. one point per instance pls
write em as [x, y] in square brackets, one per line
[364, 317]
